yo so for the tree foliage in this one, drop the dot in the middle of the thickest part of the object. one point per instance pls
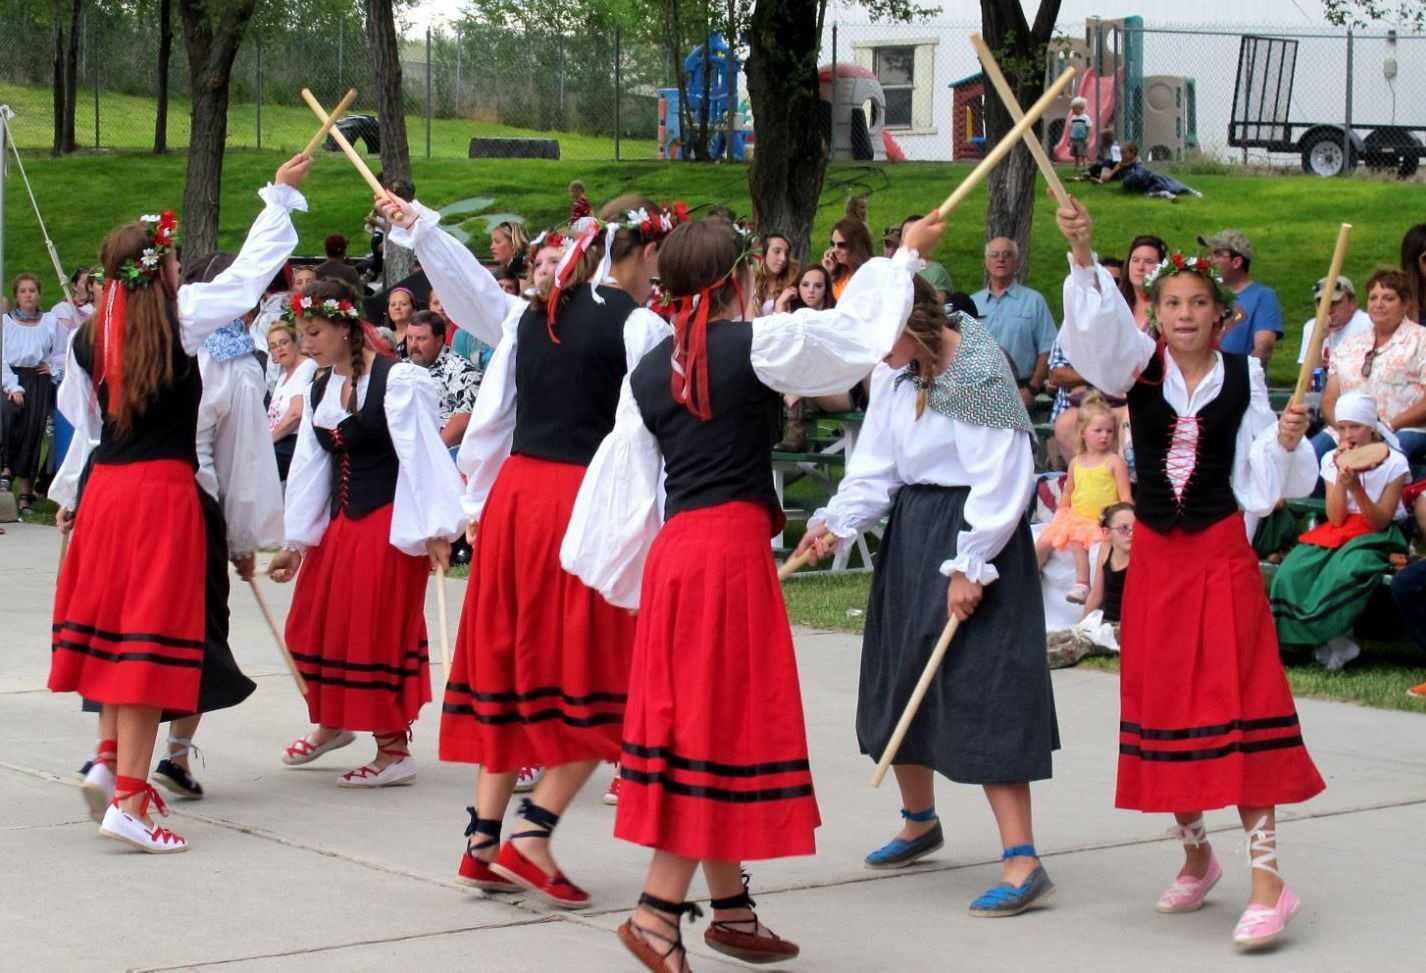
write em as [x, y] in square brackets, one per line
[1406, 14]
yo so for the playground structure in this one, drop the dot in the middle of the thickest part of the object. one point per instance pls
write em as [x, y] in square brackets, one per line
[853, 114]
[723, 68]
[1158, 112]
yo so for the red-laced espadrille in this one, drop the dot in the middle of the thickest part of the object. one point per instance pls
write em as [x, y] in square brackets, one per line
[475, 872]
[123, 826]
[509, 863]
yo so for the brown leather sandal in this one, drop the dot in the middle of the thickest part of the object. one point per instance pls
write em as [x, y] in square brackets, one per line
[636, 937]
[745, 944]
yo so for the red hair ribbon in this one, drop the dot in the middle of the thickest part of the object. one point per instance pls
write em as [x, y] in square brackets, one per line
[373, 339]
[111, 336]
[690, 354]
[568, 266]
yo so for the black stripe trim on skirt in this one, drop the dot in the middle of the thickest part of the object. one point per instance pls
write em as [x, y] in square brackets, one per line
[544, 692]
[1214, 753]
[375, 684]
[324, 663]
[155, 638]
[716, 769]
[500, 719]
[104, 656]
[1193, 733]
[714, 793]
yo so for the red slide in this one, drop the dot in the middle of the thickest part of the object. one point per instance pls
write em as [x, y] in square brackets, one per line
[1087, 87]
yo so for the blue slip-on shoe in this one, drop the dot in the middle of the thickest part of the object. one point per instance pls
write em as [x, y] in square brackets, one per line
[898, 852]
[1004, 899]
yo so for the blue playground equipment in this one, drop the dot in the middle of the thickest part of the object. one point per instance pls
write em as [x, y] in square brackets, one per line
[723, 68]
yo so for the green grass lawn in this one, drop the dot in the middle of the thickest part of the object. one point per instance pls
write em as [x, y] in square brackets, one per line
[1379, 678]
[126, 122]
[1291, 218]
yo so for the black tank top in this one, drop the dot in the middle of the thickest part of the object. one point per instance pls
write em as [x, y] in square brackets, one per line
[729, 457]
[1113, 591]
[166, 429]
[1208, 496]
[566, 393]
[365, 464]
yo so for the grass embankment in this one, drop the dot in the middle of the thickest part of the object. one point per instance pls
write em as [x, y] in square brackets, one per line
[126, 123]
[1379, 678]
[1292, 219]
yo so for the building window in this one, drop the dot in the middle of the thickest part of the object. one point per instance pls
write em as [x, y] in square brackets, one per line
[895, 68]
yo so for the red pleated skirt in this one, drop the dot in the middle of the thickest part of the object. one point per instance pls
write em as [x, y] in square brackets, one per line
[715, 759]
[1207, 718]
[357, 628]
[541, 669]
[128, 609]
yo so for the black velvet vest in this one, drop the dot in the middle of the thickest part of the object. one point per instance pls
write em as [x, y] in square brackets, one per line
[364, 460]
[1208, 496]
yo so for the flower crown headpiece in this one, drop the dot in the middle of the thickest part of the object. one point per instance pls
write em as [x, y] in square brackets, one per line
[301, 306]
[656, 225]
[550, 239]
[162, 232]
[1177, 263]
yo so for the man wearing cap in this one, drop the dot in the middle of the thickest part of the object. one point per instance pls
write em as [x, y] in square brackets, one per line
[1343, 320]
[1017, 317]
[933, 273]
[1258, 323]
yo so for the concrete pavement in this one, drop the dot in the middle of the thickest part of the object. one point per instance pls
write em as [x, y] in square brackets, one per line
[287, 872]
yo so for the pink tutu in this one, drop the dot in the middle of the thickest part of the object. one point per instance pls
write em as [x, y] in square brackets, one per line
[1067, 527]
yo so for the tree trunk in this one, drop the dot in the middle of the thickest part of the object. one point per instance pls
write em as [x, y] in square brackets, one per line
[790, 161]
[704, 107]
[71, 74]
[674, 37]
[383, 47]
[212, 42]
[57, 63]
[1020, 49]
[165, 51]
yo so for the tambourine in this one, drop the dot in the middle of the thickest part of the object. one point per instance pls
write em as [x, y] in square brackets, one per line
[1363, 458]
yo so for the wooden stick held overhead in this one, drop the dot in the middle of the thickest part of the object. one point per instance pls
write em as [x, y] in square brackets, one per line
[1324, 307]
[1007, 97]
[277, 637]
[441, 609]
[1003, 147]
[343, 144]
[933, 665]
[335, 117]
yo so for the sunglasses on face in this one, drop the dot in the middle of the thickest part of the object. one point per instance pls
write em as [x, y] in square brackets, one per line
[1367, 361]
[839, 244]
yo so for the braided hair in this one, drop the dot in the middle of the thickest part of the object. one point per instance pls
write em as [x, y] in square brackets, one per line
[927, 327]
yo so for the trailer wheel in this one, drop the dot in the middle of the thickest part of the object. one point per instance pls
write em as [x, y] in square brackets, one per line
[1322, 154]
[1392, 148]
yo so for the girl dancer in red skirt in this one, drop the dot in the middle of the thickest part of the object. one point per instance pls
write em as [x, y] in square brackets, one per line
[541, 668]
[372, 501]
[715, 767]
[1207, 718]
[129, 610]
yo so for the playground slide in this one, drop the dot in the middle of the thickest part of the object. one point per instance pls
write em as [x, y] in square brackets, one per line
[1087, 86]
[894, 152]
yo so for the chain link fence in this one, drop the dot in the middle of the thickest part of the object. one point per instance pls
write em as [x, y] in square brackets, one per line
[598, 100]
[1328, 100]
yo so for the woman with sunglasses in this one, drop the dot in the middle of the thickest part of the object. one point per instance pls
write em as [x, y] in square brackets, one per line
[851, 247]
[1389, 364]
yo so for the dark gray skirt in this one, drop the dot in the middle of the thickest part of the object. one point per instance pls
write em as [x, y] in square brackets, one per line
[989, 715]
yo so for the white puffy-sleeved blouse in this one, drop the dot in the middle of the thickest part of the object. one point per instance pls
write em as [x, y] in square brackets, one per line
[616, 515]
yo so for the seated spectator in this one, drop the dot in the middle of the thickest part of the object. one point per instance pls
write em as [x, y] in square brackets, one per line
[1327, 579]
[1258, 322]
[851, 247]
[400, 311]
[1110, 155]
[336, 266]
[933, 273]
[284, 408]
[776, 271]
[457, 377]
[1017, 317]
[462, 343]
[1344, 320]
[507, 241]
[813, 289]
[1136, 177]
[1413, 265]
[1408, 588]
[1389, 364]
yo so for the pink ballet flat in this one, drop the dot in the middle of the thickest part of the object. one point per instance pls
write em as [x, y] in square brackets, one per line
[1261, 925]
[1187, 893]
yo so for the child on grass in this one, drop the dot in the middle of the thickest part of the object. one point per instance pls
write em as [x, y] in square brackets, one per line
[579, 206]
[1327, 579]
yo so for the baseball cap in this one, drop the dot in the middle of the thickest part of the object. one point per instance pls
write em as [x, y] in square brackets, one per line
[1234, 240]
[1344, 288]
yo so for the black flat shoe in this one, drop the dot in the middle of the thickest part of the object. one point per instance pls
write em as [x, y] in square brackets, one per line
[176, 778]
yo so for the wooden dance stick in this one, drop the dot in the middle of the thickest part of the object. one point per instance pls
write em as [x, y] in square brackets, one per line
[441, 610]
[277, 637]
[332, 119]
[343, 144]
[1324, 307]
[1007, 97]
[1003, 147]
[795, 563]
[933, 665]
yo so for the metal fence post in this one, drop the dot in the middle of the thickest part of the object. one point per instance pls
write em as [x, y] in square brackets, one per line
[93, 36]
[341, 50]
[618, 90]
[429, 106]
[1347, 128]
[257, 42]
[460, 43]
